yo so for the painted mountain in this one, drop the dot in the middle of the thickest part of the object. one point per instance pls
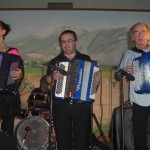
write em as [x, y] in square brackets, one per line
[105, 46]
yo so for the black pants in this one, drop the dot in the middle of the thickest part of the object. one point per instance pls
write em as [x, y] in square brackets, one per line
[7, 125]
[72, 118]
[140, 122]
[9, 108]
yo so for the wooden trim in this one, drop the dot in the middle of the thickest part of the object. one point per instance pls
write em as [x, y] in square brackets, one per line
[78, 9]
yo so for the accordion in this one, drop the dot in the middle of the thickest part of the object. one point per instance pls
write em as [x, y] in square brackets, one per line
[79, 84]
[141, 72]
[8, 63]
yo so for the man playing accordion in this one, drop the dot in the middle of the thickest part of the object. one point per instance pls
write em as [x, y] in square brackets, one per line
[140, 37]
[69, 115]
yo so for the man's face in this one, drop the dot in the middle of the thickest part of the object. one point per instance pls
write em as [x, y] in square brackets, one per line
[140, 36]
[68, 44]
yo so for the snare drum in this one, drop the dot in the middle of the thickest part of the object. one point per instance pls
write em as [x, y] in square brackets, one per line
[38, 100]
[34, 131]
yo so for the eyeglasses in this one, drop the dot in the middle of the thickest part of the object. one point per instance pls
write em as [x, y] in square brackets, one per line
[137, 33]
[68, 41]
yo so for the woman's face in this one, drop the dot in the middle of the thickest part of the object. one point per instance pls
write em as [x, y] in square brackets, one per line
[2, 32]
[140, 36]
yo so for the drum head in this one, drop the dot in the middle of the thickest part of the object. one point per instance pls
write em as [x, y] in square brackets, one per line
[32, 133]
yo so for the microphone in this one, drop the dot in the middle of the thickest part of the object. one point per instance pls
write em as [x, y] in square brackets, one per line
[27, 129]
[120, 72]
[63, 72]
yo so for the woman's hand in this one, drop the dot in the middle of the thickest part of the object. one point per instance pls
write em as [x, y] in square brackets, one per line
[16, 74]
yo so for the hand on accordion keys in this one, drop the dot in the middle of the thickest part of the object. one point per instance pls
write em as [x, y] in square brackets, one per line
[55, 74]
[16, 74]
[57, 71]
[63, 72]
[98, 78]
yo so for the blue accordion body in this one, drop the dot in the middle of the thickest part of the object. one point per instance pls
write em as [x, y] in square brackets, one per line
[141, 66]
[79, 84]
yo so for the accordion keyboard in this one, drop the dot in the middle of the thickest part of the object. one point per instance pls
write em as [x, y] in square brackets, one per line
[94, 83]
[59, 85]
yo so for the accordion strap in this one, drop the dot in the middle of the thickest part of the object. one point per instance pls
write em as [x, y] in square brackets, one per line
[3, 67]
[13, 51]
[135, 49]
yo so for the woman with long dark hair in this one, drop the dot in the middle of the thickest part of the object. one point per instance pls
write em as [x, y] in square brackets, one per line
[11, 77]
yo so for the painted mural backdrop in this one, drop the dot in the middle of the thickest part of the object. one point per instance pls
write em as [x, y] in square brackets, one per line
[101, 34]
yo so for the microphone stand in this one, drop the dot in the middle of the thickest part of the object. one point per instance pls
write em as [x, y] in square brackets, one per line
[122, 112]
[51, 104]
[121, 77]
[121, 74]
[51, 112]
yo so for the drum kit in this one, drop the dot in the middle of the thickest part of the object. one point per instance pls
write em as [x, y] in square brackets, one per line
[34, 131]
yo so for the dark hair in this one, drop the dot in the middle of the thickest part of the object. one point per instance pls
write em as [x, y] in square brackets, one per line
[68, 31]
[44, 84]
[6, 27]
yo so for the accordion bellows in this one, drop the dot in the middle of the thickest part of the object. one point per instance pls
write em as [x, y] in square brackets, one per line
[79, 84]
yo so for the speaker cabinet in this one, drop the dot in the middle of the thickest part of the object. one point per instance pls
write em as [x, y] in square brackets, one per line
[116, 128]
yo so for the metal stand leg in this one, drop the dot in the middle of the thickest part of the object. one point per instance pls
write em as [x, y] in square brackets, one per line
[101, 131]
[122, 113]
[25, 137]
[23, 143]
[52, 144]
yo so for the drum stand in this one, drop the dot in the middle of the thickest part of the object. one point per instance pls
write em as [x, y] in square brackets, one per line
[25, 137]
[22, 144]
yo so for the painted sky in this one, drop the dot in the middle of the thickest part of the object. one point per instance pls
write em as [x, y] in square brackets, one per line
[44, 22]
